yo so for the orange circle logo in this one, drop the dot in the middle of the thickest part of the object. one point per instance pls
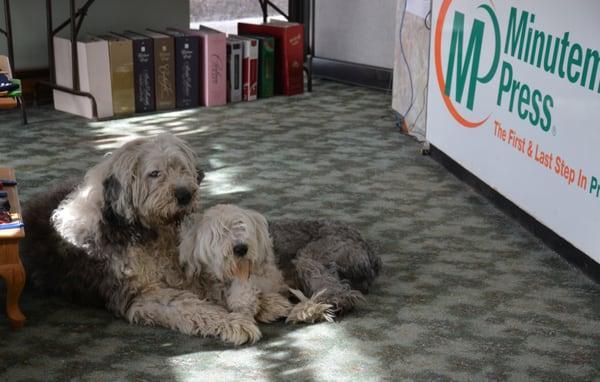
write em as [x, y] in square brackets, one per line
[441, 80]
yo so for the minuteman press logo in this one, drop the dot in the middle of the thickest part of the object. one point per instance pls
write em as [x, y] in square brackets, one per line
[464, 73]
[475, 47]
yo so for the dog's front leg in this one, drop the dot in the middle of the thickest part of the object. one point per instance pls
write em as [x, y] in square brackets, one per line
[273, 302]
[184, 311]
[273, 299]
[273, 306]
[243, 297]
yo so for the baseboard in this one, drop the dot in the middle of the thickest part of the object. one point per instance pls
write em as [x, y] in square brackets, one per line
[351, 73]
[565, 249]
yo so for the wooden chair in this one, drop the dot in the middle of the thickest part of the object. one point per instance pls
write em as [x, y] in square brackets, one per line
[16, 94]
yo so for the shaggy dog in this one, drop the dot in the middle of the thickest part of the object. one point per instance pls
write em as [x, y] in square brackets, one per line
[228, 251]
[326, 259]
[114, 240]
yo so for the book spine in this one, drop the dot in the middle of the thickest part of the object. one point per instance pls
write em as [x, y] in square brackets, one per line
[214, 71]
[253, 83]
[164, 73]
[83, 65]
[294, 60]
[62, 62]
[229, 71]
[237, 67]
[98, 69]
[266, 64]
[143, 68]
[284, 67]
[121, 76]
[234, 72]
[245, 70]
[186, 71]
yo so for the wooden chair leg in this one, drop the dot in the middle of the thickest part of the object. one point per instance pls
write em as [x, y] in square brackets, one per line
[23, 111]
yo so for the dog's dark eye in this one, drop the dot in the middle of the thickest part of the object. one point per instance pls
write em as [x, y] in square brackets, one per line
[154, 174]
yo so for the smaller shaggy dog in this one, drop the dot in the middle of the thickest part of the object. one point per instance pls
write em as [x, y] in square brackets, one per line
[228, 251]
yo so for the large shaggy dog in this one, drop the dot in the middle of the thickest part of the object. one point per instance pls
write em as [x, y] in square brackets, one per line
[114, 240]
[228, 251]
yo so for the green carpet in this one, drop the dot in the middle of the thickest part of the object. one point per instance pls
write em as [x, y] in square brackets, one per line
[465, 292]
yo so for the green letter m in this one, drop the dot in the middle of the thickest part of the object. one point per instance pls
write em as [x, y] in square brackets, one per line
[464, 63]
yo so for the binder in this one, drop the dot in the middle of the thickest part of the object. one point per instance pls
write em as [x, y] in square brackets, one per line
[234, 70]
[164, 69]
[143, 71]
[120, 53]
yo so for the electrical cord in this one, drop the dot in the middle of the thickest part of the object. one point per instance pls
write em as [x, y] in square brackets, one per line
[428, 26]
[412, 90]
[423, 106]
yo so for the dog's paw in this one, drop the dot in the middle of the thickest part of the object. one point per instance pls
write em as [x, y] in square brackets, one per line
[309, 309]
[240, 329]
[344, 302]
[272, 307]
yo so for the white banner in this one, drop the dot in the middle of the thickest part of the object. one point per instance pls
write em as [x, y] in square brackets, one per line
[514, 97]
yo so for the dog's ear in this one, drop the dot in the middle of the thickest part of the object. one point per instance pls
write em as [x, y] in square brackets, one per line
[199, 175]
[111, 189]
[123, 167]
[264, 243]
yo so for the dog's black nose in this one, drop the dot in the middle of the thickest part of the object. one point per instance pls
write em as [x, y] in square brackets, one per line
[183, 196]
[240, 250]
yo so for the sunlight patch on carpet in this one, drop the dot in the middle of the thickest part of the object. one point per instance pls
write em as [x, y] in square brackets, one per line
[223, 181]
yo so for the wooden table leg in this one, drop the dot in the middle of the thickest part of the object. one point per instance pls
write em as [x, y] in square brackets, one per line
[11, 267]
[14, 275]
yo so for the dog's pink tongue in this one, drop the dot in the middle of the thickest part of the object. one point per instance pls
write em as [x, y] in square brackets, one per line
[242, 271]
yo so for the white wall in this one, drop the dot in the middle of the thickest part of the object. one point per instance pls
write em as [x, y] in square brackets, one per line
[29, 22]
[358, 31]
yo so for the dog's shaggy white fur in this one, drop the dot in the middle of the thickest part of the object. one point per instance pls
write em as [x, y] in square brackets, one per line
[115, 239]
[228, 251]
